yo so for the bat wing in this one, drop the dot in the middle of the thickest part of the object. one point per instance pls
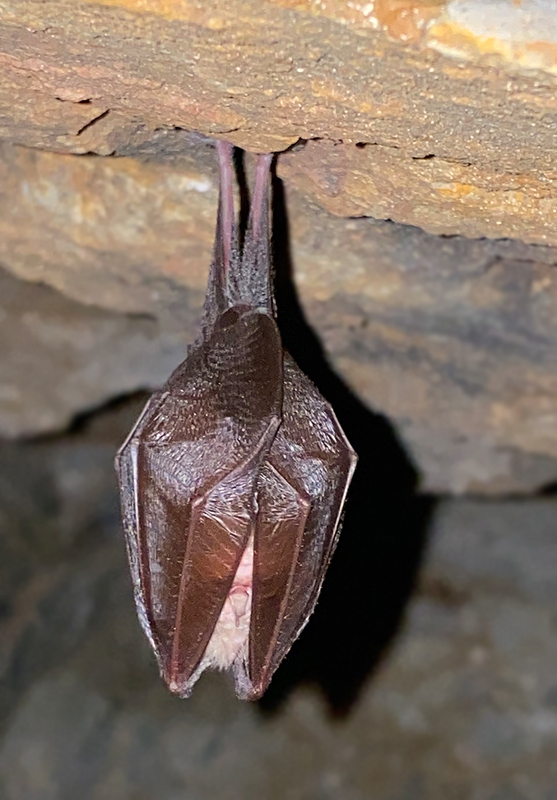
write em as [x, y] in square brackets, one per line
[300, 497]
[188, 476]
[282, 516]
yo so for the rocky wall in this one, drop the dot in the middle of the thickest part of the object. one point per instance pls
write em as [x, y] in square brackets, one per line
[417, 213]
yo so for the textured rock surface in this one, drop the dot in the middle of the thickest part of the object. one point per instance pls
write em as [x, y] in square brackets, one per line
[90, 77]
[462, 705]
[434, 114]
[440, 195]
[59, 357]
[454, 339]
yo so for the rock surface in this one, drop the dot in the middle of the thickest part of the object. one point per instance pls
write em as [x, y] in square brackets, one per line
[463, 704]
[441, 195]
[439, 114]
[473, 94]
[60, 358]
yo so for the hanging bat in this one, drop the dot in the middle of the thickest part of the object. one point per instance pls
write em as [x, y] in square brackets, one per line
[234, 477]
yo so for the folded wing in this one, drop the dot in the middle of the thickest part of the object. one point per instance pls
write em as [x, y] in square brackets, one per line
[301, 495]
[188, 475]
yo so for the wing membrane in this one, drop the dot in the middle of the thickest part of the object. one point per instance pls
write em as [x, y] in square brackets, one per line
[218, 535]
[312, 452]
[188, 475]
[281, 520]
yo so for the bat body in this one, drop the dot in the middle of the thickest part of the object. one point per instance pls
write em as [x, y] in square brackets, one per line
[233, 479]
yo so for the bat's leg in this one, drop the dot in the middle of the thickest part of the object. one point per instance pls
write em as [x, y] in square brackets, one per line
[260, 201]
[225, 251]
[226, 199]
[255, 275]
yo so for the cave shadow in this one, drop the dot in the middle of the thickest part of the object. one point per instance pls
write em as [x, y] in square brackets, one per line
[373, 572]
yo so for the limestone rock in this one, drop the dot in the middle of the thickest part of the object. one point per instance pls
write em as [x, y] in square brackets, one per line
[60, 358]
[454, 98]
[442, 196]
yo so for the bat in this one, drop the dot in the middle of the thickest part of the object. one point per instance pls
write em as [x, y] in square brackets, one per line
[234, 477]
